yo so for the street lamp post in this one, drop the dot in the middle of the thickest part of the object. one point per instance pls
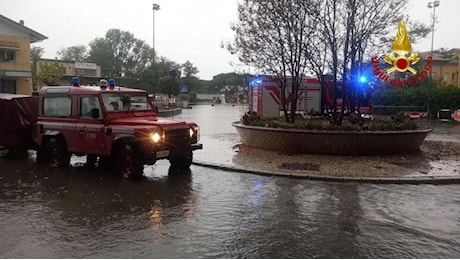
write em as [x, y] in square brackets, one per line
[430, 5]
[433, 5]
[156, 7]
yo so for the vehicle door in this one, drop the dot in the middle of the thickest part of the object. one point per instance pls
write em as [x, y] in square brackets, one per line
[90, 129]
[57, 116]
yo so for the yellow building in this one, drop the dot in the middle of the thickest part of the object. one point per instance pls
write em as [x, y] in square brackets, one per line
[445, 66]
[15, 62]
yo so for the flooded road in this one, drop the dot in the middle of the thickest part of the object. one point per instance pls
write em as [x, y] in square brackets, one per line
[47, 212]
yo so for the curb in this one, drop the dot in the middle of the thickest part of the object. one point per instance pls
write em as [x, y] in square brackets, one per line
[363, 179]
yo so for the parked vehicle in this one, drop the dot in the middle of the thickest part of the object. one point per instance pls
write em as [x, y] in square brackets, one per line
[445, 115]
[109, 124]
[362, 101]
[313, 98]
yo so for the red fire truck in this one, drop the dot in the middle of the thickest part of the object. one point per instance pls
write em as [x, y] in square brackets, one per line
[106, 123]
[265, 97]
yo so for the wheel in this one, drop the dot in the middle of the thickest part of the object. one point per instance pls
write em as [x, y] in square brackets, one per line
[181, 160]
[128, 163]
[105, 162]
[179, 173]
[54, 151]
[91, 160]
[41, 155]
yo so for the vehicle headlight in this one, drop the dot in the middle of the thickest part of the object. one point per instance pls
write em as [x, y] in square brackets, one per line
[155, 137]
[195, 132]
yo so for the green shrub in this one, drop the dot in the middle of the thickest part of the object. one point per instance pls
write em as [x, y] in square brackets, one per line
[393, 100]
[397, 123]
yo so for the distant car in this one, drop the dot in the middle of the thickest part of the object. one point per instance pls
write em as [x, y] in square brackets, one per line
[445, 114]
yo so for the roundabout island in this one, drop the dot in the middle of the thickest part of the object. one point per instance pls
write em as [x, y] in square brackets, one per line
[422, 156]
[300, 141]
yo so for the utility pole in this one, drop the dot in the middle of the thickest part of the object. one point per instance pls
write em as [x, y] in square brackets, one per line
[430, 5]
[156, 7]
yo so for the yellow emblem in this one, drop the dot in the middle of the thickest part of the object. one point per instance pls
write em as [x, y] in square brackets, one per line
[401, 47]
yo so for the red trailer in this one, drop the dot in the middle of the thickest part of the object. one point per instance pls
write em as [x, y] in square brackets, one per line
[362, 101]
[265, 97]
[18, 117]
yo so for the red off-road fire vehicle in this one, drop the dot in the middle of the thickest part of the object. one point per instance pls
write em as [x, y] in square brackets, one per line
[115, 125]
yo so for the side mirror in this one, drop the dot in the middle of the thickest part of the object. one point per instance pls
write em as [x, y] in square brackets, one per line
[95, 113]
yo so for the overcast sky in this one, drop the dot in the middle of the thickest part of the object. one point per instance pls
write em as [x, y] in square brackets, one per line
[184, 29]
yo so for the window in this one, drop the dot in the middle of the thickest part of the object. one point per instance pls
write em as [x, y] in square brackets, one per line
[85, 72]
[87, 104]
[117, 101]
[90, 73]
[63, 70]
[8, 86]
[7, 55]
[57, 106]
[57, 90]
[446, 76]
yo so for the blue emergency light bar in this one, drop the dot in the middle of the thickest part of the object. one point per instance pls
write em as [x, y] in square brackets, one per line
[362, 79]
[75, 82]
[111, 83]
[255, 82]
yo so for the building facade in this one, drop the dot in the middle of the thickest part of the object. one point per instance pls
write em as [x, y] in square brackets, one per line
[15, 60]
[445, 65]
[88, 73]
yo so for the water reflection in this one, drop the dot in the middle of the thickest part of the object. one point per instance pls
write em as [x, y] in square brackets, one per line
[339, 227]
[85, 213]
[77, 206]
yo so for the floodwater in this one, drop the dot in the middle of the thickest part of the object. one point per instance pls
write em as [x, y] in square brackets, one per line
[46, 212]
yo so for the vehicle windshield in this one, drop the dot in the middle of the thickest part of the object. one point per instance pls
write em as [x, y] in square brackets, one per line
[122, 102]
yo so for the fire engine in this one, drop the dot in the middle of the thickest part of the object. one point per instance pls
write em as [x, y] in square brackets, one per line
[312, 98]
[107, 123]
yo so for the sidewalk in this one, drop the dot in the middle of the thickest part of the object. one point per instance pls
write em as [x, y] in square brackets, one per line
[437, 162]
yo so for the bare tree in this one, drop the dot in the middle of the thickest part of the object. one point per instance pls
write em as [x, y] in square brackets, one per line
[273, 36]
[353, 31]
[289, 38]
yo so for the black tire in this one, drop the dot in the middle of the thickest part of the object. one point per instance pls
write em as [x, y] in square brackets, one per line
[54, 151]
[41, 155]
[32, 136]
[128, 163]
[179, 173]
[105, 162]
[91, 160]
[181, 160]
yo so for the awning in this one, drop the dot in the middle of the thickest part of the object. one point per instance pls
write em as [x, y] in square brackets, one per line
[10, 45]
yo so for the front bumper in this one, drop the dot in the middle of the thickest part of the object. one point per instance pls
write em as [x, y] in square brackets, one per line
[152, 157]
[197, 146]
